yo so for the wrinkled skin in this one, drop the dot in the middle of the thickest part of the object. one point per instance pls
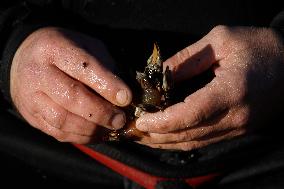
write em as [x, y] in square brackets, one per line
[49, 77]
[247, 89]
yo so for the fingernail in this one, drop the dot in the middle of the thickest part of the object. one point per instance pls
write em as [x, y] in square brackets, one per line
[122, 97]
[118, 121]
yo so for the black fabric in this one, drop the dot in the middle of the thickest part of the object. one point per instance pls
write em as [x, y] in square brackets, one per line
[214, 158]
[269, 180]
[29, 145]
[9, 18]
[178, 184]
[195, 17]
[278, 23]
[129, 184]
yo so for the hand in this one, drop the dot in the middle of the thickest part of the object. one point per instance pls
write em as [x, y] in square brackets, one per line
[247, 89]
[62, 85]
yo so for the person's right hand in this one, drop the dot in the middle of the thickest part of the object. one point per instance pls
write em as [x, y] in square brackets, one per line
[62, 85]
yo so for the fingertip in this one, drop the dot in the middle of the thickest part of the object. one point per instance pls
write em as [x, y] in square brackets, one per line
[123, 97]
[118, 120]
[140, 124]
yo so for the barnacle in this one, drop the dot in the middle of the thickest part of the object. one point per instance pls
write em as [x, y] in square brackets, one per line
[155, 86]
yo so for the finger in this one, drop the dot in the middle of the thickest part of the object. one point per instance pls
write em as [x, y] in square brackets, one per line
[86, 68]
[76, 98]
[195, 58]
[60, 118]
[60, 135]
[38, 122]
[195, 109]
[221, 123]
[190, 145]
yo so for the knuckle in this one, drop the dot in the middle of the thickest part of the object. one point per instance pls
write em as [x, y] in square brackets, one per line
[162, 128]
[35, 114]
[220, 30]
[41, 44]
[72, 95]
[43, 47]
[104, 114]
[61, 119]
[182, 55]
[174, 124]
[197, 117]
[180, 124]
[39, 116]
[242, 44]
[187, 146]
[62, 137]
[55, 117]
[220, 34]
[188, 135]
[209, 101]
[241, 119]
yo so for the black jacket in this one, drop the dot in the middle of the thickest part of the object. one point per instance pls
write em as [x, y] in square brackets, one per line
[128, 28]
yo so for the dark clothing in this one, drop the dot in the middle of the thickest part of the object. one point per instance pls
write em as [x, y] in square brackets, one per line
[129, 28]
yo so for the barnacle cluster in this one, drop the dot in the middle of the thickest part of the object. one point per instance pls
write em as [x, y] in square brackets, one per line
[155, 95]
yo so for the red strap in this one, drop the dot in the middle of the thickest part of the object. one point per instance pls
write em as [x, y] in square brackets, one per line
[144, 179]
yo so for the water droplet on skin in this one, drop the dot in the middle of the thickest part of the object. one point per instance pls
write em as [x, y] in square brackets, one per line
[101, 83]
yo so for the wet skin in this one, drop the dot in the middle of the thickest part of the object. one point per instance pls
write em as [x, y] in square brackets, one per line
[247, 89]
[49, 78]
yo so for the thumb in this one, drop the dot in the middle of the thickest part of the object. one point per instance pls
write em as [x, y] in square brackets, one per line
[194, 59]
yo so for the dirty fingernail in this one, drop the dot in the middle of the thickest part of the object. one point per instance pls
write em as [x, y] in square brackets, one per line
[122, 97]
[118, 121]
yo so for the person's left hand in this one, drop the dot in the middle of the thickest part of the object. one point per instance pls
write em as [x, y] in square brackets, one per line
[247, 89]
